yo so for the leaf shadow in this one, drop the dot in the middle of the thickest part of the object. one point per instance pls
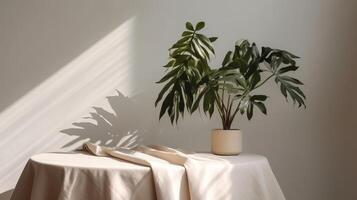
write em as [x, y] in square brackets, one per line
[110, 128]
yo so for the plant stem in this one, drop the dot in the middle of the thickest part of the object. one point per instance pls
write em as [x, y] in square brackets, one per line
[229, 109]
[218, 99]
[220, 113]
[235, 112]
[193, 35]
[219, 106]
[224, 111]
[230, 118]
[223, 93]
[262, 83]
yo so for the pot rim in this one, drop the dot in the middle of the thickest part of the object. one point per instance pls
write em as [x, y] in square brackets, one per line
[219, 129]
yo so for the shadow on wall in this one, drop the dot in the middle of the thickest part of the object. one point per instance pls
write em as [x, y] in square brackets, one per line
[103, 127]
[131, 121]
[63, 97]
[6, 195]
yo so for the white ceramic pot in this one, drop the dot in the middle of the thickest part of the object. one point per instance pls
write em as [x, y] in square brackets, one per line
[226, 142]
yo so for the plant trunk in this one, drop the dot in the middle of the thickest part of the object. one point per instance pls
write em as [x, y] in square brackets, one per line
[227, 124]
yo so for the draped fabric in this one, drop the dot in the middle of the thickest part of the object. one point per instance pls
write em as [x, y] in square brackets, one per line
[165, 174]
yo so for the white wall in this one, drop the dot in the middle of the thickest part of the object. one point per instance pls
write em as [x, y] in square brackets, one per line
[59, 58]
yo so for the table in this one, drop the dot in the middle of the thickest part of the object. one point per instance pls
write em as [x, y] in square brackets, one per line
[80, 176]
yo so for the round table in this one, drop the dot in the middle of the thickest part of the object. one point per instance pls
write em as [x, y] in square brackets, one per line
[80, 176]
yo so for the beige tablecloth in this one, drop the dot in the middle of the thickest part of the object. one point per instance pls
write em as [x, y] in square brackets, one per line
[80, 176]
[76, 176]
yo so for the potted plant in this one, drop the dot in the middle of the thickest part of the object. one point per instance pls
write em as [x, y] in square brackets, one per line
[190, 83]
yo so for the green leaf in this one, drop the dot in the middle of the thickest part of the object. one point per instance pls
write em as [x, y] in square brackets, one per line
[211, 109]
[259, 97]
[275, 63]
[294, 92]
[252, 68]
[169, 64]
[255, 51]
[233, 65]
[290, 54]
[163, 91]
[230, 88]
[181, 51]
[287, 69]
[187, 33]
[297, 98]
[178, 45]
[189, 26]
[171, 112]
[227, 58]
[241, 81]
[198, 49]
[181, 105]
[299, 92]
[236, 54]
[266, 51]
[261, 107]
[167, 103]
[181, 58]
[200, 25]
[169, 75]
[243, 47]
[206, 53]
[283, 90]
[246, 56]
[255, 79]
[189, 92]
[205, 42]
[250, 110]
[198, 100]
[203, 47]
[287, 59]
[206, 101]
[290, 79]
[212, 39]
[191, 63]
[244, 104]
[183, 40]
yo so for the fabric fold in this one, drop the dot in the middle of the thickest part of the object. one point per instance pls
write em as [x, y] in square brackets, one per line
[170, 180]
[183, 176]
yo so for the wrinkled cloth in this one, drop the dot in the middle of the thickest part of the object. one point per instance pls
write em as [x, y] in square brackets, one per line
[81, 176]
[145, 173]
[170, 182]
[209, 177]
